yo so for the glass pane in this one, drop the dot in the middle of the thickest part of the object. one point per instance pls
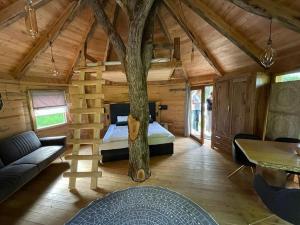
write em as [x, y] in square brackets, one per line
[208, 111]
[50, 117]
[196, 113]
[288, 77]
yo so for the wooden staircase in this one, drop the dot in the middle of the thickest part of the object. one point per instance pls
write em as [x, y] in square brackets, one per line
[79, 109]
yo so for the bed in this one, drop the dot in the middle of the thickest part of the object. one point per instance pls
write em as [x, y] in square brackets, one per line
[115, 141]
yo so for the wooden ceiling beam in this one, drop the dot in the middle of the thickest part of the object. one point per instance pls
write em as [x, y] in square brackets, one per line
[196, 40]
[114, 23]
[289, 17]
[232, 34]
[16, 10]
[164, 28]
[42, 43]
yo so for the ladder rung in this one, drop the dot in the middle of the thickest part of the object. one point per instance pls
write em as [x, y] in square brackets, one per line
[87, 111]
[87, 126]
[87, 82]
[83, 174]
[83, 157]
[87, 96]
[84, 141]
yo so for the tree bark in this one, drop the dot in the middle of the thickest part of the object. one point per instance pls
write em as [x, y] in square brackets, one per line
[136, 61]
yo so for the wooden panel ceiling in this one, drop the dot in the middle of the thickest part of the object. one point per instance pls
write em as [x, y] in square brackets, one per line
[15, 41]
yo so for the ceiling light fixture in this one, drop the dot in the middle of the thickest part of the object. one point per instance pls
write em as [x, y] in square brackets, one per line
[268, 56]
[54, 69]
[30, 19]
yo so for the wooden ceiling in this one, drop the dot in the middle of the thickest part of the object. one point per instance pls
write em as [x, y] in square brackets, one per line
[225, 36]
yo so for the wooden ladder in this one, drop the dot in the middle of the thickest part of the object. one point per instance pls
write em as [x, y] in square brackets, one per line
[78, 109]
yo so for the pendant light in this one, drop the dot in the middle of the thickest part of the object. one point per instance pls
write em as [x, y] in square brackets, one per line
[268, 56]
[54, 69]
[30, 19]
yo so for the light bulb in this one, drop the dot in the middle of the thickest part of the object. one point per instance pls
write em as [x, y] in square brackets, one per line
[268, 56]
[30, 20]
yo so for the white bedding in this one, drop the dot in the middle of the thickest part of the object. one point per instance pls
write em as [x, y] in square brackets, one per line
[116, 137]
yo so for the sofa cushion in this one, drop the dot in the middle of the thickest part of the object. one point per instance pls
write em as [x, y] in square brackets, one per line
[41, 157]
[12, 177]
[1, 164]
[14, 148]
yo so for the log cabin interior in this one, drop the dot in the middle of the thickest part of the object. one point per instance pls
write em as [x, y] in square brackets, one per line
[149, 112]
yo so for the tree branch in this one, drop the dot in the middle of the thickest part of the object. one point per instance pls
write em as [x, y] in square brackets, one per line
[109, 29]
[147, 42]
[124, 4]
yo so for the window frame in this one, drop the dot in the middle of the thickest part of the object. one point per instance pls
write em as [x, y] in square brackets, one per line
[286, 73]
[32, 110]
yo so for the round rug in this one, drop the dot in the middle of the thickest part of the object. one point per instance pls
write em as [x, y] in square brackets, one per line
[143, 206]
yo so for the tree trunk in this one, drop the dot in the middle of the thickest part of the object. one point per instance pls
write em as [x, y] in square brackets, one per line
[139, 168]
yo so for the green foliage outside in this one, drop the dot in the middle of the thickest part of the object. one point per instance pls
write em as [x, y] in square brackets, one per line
[50, 120]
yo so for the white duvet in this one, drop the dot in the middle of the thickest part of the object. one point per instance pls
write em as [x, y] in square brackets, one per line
[117, 136]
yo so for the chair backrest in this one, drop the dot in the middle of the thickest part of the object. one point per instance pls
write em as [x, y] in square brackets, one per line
[289, 140]
[281, 201]
[237, 154]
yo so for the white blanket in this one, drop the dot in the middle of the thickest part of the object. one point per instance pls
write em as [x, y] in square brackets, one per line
[117, 136]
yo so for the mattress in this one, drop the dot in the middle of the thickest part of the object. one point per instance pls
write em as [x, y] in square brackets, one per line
[116, 137]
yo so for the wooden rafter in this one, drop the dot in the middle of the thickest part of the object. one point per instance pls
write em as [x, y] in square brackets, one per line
[232, 34]
[196, 40]
[15, 11]
[78, 50]
[289, 17]
[164, 28]
[108, 43]
[43, 41]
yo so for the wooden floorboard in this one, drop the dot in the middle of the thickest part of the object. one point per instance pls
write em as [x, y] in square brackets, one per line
[194, 171]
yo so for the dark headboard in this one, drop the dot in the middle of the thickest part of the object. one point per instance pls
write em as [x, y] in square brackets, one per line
[123, 109]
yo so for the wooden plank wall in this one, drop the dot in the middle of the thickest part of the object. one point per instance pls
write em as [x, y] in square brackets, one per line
[15, 116]
[172, 95]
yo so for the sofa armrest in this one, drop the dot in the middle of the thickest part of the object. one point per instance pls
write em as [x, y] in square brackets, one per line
[57, 140]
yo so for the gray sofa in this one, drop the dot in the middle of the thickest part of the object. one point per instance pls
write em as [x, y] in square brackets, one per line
[23, 156]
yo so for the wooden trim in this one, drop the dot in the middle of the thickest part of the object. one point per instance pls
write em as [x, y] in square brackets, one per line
[30, 108]
[43, 41]
[287, 16]
[15, 11]
[194, 38]
[232, 34]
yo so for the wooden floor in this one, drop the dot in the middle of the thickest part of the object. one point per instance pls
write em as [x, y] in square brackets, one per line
[197, 172]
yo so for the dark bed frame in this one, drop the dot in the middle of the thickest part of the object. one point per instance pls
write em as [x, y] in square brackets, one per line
[123, 109]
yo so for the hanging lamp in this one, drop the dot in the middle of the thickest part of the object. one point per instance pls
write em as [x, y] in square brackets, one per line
[54, 69]
[268, 56]
[30, 19]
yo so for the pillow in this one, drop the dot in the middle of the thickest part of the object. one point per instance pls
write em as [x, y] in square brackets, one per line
[122, 123]
[122, 118]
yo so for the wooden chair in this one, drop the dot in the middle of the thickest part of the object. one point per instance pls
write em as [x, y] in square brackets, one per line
[238, 155]
[281, 201]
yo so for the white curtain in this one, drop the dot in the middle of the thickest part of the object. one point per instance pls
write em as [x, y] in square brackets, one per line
[187, 124]
[47, 98]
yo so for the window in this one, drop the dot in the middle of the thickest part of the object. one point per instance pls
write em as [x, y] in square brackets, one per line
[288, 77]
[49, 108]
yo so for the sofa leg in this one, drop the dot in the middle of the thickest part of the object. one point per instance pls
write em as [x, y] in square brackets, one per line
[261, 220]
[237, 170]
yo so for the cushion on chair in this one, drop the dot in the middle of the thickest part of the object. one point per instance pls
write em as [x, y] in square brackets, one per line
[16, 147]
[12, 177]
[41, 157]
[281, 201]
